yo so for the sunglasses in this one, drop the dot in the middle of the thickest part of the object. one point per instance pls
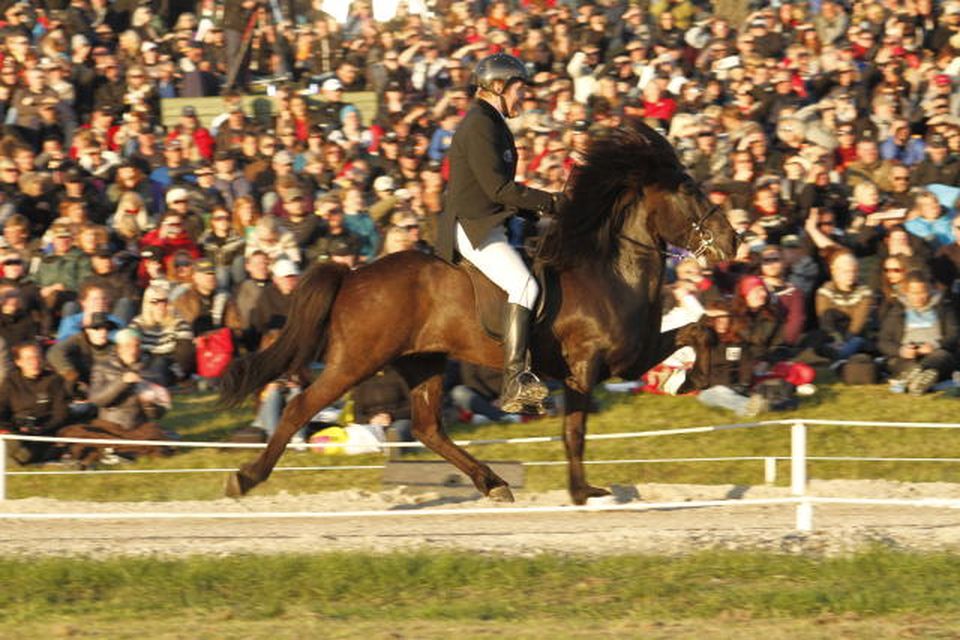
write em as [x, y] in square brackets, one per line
[13, 263]
[159, 301]
[771, 259]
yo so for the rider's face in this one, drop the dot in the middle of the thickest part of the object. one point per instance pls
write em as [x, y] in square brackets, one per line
[513, 97]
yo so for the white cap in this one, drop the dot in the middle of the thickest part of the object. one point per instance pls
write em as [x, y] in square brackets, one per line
[331, 84]
[79, 40]
[148, 46]
[177, 193]
[285, 267]
[383, 183]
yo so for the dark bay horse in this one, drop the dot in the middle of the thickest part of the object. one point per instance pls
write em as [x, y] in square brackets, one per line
[413, 311]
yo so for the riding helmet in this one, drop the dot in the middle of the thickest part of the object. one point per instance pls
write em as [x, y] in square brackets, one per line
[499, 66]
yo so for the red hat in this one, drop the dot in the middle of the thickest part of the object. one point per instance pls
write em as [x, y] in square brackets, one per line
[748, 284]
[942, 79]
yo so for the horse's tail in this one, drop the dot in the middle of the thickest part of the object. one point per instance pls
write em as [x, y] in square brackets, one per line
[302, 338]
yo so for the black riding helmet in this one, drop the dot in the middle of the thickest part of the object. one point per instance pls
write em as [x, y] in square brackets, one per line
[499, 66]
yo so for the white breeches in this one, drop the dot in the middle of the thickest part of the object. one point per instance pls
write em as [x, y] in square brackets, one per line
[497, 260]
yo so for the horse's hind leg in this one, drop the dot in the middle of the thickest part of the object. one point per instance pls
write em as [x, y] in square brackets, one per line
[424, 375]
[335, 380]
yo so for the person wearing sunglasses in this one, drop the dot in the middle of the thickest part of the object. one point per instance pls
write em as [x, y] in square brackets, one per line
[167, 340]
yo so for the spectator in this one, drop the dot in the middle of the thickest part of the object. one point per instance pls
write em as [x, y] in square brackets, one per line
[919, 336]
[33, 401]
[166, 338]
[60, 272]
[843, 308]
[274, 302]
[74, 357]
[129, 404]
[94, 298]
[170, 238]
[203, 306]
[224, 246]
[383, 400]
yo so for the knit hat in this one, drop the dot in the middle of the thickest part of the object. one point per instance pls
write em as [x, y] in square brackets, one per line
[748, 284]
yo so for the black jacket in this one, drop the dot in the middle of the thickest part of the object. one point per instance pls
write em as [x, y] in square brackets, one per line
[37, 406]
[482, 192]
[892, 328]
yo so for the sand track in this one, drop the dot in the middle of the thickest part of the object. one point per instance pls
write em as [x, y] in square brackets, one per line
[839, 528]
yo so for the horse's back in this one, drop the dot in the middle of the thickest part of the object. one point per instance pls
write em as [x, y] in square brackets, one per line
[409, 297]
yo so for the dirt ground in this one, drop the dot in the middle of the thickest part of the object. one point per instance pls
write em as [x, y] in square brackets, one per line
[838, 528]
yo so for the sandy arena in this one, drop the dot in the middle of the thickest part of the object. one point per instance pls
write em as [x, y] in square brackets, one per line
[839, 528]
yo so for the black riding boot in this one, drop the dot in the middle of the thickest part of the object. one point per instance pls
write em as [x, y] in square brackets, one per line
[522, 390]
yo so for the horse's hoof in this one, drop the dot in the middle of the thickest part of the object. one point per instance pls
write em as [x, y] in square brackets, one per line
[235, 487]
[580, 496]
[500, 494]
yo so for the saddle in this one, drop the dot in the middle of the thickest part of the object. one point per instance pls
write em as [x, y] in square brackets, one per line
[491, 299]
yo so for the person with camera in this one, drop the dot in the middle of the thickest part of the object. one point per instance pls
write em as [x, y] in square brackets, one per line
[918, 336]
[33, 401]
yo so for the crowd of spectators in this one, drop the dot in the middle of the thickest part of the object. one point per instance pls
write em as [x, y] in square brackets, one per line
[136, 249]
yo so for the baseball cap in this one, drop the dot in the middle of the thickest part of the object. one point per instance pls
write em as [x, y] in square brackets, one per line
[331, 84]
[284, 267]
[151, 253]
[383, 183]
[292, 194]
[61, 230]
[188, 111]
[790, 241]
[100, 320]
[283, 157]
[177, 193]
[204, 265]
[581, 126]
[942, 80]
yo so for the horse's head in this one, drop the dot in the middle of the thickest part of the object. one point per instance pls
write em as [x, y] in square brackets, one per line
[684, 217]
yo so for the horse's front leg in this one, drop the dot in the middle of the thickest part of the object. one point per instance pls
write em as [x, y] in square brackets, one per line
[576, 407]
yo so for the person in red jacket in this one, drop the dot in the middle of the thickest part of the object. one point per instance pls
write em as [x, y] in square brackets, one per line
[196, 140]
[169, 238]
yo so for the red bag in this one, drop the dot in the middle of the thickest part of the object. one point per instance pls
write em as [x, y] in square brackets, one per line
[214, 352]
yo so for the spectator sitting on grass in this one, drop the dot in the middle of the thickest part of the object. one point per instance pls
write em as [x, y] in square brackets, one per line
[33, 401]
[918, 336]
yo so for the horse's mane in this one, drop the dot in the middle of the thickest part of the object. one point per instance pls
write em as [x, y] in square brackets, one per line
[619, 163]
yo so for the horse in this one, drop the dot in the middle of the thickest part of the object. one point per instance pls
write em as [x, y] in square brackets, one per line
[631, 197]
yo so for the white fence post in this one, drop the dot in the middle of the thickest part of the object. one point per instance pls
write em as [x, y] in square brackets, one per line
[798, 475]
[770, 471]
[3, 468]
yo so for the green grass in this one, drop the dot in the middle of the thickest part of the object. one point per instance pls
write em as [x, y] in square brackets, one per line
[196, 418]
[454, 586]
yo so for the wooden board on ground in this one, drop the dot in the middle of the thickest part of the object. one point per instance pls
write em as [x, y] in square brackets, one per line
[430, 473]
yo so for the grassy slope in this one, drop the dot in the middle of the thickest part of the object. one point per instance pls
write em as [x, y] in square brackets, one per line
[196, 418]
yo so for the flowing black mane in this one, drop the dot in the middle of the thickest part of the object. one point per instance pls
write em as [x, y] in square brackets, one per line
[619, 163]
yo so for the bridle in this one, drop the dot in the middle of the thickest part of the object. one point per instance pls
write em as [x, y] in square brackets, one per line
[707, 239]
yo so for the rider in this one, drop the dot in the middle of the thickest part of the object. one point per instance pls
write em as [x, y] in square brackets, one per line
[481, 195]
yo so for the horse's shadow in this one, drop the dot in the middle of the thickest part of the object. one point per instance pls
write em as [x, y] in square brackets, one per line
[438, 502]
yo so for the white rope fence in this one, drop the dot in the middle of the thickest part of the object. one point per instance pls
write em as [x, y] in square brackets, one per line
[798, 471]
